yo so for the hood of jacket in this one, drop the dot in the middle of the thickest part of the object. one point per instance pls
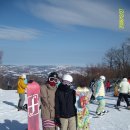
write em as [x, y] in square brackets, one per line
[124, 79]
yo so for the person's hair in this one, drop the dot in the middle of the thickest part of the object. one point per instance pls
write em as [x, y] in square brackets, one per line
[82, 84]
[30, 81]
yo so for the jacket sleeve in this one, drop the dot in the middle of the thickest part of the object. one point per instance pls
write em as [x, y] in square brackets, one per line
[98, 88]
[74, 94]
[22, 84]
[43, 95]
[120, 85]
[129, 88]
[57, 104]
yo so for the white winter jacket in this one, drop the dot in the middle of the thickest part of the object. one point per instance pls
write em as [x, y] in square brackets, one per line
[124, 86]
[99, 89]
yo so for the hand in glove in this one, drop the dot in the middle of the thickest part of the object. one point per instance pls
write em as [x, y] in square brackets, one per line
[57, 121]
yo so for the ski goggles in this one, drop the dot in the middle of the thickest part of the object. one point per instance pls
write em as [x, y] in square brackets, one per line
[52, 79]
[67, 83]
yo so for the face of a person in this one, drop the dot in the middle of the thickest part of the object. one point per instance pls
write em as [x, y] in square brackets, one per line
[53, 81]
[66, 83]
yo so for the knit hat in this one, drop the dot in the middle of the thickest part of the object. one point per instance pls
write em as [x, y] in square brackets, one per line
[53, 74]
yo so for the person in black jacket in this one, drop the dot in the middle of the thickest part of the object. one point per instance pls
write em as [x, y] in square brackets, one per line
[91, 86]
[65, 100]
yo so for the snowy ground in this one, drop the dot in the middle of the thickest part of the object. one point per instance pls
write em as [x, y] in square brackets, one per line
[11, 119]
[114, 120]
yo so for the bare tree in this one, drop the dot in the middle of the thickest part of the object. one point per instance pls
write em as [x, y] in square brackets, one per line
[109, 58]
[119, 59]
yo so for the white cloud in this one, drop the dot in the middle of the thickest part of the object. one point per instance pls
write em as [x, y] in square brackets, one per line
[77, 12]
[20, 34]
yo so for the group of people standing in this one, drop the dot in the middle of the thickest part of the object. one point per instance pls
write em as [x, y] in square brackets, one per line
[58, 103]
[63, 107]
[123, 90]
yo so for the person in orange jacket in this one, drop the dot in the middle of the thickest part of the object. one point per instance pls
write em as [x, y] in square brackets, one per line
[21, 91]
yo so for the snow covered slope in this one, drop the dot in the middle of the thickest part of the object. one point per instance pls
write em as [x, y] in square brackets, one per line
[11, 119]
[114, 120]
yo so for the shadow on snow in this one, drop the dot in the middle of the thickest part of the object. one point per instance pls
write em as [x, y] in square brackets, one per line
[12, 125]
[10, 103]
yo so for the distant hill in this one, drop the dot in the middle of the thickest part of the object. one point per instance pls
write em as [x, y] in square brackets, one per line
[9, 73]
[41, 71]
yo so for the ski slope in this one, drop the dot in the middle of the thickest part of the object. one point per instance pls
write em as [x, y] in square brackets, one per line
[11, 119]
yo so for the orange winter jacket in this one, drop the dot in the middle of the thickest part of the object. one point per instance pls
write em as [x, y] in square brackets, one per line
[21, 86]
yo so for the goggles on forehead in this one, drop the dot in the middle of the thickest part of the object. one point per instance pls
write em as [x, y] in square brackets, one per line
[52, 79]
[67, 83]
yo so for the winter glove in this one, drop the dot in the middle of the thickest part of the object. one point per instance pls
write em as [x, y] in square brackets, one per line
[57, 121]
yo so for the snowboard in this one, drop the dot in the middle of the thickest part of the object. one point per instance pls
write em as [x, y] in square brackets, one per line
[33, 92]
[121, 107]
[82, 102]
[98, 116]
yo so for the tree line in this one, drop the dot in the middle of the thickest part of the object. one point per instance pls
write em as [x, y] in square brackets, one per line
[118, 60]
[115, 65]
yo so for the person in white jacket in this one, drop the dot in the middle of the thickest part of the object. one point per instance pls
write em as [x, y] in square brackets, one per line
[124, 89]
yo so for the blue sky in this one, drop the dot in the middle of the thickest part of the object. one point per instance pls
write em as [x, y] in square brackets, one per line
[60, 32]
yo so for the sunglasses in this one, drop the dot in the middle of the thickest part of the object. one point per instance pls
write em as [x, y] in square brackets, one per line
[52, 79]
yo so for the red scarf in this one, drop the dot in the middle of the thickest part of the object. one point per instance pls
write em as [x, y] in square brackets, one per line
[52, 84]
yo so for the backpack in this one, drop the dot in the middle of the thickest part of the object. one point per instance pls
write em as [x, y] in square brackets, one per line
[94, 87]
